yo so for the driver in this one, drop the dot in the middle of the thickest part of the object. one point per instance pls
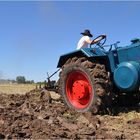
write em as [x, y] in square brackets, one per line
[85, 40]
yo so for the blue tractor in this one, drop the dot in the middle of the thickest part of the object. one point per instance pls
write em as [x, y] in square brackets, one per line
[91, 78]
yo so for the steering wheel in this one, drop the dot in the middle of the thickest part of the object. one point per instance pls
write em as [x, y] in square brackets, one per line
[100, 41]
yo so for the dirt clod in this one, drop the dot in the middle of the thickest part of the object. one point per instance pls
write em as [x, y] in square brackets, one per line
[38, 116]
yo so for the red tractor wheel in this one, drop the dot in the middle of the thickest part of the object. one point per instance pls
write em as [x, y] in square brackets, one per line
[83, 85]
[78, 89]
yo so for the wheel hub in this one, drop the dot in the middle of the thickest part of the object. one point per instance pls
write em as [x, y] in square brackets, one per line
[80, 89]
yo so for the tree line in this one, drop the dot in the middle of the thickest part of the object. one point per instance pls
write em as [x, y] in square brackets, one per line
[19, 80]
[22, 80]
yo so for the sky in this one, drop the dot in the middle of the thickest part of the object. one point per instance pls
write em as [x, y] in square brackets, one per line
[33, 34]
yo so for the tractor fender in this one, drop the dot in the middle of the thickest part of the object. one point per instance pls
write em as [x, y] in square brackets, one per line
[86, 52]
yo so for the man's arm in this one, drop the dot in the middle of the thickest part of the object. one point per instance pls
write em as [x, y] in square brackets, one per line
[98, 39]
[88, 40]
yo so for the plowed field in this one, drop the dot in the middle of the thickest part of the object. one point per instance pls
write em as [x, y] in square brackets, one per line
[36, 115]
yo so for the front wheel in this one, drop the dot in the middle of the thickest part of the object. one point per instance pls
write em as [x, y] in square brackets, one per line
[84, 85]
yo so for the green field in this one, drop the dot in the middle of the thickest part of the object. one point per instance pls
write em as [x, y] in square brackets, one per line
[16, 88]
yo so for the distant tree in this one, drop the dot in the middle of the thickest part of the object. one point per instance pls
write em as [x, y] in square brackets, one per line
[32, 81]
[20, 80]
[29, 82]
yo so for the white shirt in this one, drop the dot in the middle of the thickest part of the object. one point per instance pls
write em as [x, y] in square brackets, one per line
[83, 42]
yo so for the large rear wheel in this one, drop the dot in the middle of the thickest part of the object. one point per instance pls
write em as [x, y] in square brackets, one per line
[84, 85]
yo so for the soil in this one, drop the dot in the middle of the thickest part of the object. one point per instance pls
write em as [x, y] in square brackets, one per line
[36, 115]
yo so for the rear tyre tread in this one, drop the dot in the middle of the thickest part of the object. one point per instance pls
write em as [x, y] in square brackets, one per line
[100, 80]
